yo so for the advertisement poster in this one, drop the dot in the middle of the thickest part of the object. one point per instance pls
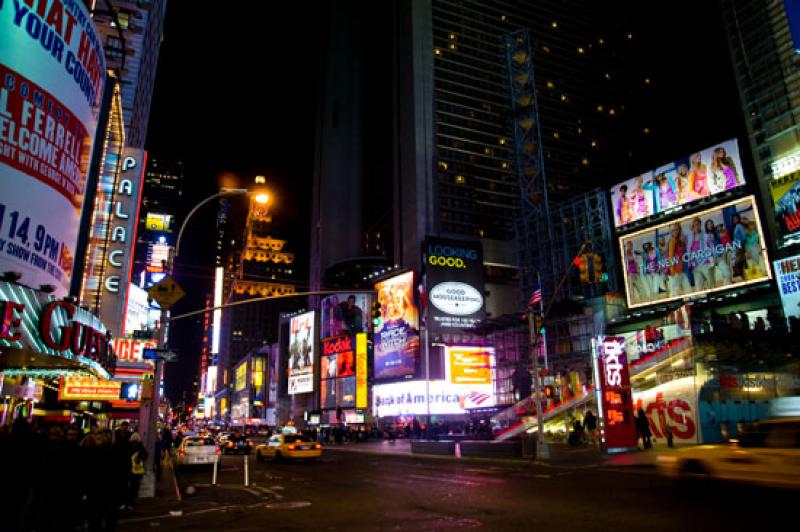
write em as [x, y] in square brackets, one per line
[345, 314]
[49, 99]
[338, 364]
[301, 353]
[361, 370]
[408, 398]
[716, 249]
[471, 366]
[787, 275]
[74, 388]
[454, 284]
[786, 199]
[654, 339]
[702, 174]
[397, 339]
[614, 393]
[672, 404]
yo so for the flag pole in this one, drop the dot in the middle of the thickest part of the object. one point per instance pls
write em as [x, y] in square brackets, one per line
[541, 311]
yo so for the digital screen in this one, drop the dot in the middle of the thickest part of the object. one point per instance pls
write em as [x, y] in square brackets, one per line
[301, 353]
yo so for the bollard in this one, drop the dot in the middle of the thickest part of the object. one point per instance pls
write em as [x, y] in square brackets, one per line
[246, 473]
[214, 476]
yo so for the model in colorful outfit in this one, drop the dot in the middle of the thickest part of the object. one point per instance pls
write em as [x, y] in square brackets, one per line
[678, 271]
[663, 250]
[698, 178]
[722, 270]
[724, 170]
[682, 184]
[667, 192]
[623, 212]
[634, 275]
[752, 250]
[699, 243]
[638, 203]
[652, 273]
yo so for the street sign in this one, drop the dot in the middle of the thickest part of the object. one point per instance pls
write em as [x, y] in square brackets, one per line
[160, 354]
[166, 293]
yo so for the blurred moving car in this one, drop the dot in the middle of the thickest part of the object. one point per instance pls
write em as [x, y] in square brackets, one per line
[233, 443]
[197, 451]
[289, 446]
[766, 453]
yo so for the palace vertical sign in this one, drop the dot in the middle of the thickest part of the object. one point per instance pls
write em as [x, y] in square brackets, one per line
[119, 256]
[611, 365]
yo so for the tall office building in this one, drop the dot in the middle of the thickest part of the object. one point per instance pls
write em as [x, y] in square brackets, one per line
[132, 31]
[764, 39]
[159, 218]
[432, 108]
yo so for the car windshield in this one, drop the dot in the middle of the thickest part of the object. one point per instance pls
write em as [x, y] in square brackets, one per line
[199, 442]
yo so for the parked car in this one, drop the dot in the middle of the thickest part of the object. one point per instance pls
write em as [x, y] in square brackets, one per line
[766, 453]
[233, 443]
[197, 451]
[289, 446]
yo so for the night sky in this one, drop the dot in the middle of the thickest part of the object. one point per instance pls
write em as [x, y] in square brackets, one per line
[236, 94]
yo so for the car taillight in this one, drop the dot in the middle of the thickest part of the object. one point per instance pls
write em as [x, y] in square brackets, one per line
[317, 446]
[217, 451]
[291, 447]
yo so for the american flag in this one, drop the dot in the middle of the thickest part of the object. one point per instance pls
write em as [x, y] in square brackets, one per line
[536, 297]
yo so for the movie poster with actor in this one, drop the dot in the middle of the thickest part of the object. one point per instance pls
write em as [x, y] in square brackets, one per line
[397, 338]
[345, 313]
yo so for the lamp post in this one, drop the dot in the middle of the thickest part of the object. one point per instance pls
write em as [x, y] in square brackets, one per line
[148, 418]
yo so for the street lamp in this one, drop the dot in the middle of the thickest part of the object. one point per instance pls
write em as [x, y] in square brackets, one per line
[261, 198]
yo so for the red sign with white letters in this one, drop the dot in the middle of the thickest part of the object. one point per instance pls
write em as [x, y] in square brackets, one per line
[615, 391]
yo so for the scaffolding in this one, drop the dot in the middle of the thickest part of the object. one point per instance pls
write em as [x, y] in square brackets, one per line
[548, 237]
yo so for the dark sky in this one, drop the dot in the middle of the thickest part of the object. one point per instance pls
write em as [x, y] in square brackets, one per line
[236, 94]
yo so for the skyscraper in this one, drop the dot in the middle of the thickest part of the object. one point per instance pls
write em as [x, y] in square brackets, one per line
[764, 38]
[132, 31]
[444, 126]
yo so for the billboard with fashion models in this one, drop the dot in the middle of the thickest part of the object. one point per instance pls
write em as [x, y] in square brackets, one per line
[713, 250]
[700, 175]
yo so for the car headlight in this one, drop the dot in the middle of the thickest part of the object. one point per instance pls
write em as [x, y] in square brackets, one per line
[666, 459]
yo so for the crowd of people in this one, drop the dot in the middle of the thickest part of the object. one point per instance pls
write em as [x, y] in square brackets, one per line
[59, 477]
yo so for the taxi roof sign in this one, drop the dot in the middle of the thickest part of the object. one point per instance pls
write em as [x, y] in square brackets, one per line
[167, 292]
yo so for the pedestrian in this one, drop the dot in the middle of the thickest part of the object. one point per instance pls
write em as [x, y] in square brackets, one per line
[590, 426]
[138, 458]
[669, 435]
[643, 428]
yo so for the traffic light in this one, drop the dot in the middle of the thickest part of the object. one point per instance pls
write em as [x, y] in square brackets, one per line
[377, 319]
[538, 324]
[597, 263]
[583, 267]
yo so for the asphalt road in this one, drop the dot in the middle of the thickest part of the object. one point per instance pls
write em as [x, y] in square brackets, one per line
[353, 491]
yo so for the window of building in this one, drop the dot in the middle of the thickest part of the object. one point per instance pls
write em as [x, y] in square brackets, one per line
[460, 179]
[124, 18]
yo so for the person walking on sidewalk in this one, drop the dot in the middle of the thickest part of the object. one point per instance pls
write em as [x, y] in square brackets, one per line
[643, 428]
[138, 457]
[590, 425]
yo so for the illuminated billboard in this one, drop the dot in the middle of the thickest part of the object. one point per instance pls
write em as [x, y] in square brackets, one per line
[81, 388]
[338, 364]
[716, 249]
[785, 192]
[454, 283]
[345, 313]
[471, 366]
[158, 222]
[615, 403]
[53, 70]
[408, 398]
[787, 275]
[157, 257]
[664, 189]
[397, 337]
[301, 353]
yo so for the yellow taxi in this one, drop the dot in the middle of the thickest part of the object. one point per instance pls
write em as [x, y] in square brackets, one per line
[288, 446]
[768, 453]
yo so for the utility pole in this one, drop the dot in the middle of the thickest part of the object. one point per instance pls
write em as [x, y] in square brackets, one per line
[542, 452]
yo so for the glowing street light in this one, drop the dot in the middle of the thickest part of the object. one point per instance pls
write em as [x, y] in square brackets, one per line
[262, 198]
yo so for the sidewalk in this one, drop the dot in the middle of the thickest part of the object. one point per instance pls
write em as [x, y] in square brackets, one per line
[561, 455]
